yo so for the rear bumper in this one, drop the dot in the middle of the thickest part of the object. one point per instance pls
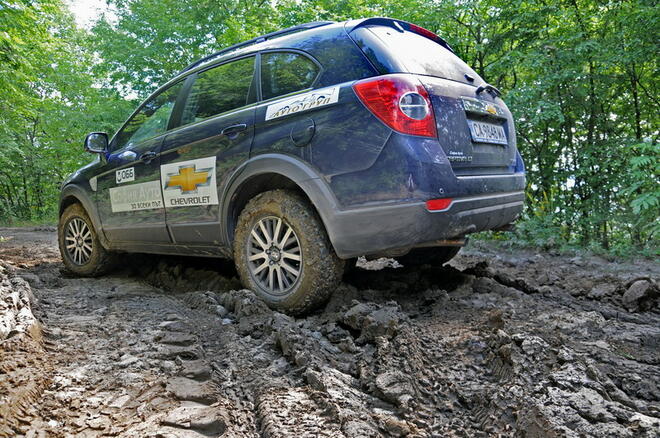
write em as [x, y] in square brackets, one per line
[380, 229]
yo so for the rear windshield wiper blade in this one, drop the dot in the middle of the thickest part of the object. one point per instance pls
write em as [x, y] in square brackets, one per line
[487, 87]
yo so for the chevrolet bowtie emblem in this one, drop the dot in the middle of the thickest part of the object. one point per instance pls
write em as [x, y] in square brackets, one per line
[188, 179]
[491, 109]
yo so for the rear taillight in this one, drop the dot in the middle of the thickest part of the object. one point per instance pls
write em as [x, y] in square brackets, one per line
[400, 101]
[438, 204]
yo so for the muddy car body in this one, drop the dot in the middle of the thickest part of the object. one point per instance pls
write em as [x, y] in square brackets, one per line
[298, 151]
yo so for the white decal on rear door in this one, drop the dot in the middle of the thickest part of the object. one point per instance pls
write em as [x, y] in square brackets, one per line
[125, 175]
[189, 183]
[303, 102]
[142, 196]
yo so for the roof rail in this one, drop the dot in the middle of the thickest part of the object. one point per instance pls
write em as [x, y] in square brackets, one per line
[259, 39]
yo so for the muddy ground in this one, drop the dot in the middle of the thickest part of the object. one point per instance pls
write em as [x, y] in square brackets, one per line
[498, 343]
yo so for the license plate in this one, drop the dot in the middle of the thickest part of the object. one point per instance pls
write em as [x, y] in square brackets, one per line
[487, 133]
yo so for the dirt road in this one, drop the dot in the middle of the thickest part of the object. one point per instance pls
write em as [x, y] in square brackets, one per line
[499, 343]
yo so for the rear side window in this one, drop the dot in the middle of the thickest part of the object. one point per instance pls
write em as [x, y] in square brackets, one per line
[218, 90]
[284, 72]
[416, 53]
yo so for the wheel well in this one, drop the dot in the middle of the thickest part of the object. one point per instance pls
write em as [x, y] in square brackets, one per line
[69, 200]
[254, 186]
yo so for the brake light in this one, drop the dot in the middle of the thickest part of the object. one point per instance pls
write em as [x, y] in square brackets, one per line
[427, 34]
[438, 204]
[399, 101]
[423, 32]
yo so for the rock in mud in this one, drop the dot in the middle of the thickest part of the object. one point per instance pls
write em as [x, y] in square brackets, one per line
[641, 295]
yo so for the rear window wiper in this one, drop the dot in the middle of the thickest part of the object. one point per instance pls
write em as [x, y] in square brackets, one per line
[491, 90]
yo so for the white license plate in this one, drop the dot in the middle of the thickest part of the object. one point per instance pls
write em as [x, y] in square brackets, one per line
[487, 132]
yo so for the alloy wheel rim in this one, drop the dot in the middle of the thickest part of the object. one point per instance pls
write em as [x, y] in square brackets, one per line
[79, 242]
[274, 255]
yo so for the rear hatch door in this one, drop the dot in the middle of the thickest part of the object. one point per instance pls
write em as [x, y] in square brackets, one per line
[475, 131]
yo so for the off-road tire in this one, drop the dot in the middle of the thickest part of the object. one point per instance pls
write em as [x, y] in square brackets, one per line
[321, 269]
[100, 260]
[434, 256]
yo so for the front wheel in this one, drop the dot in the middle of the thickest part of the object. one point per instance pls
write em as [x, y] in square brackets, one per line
[283, 253]
[79, 244]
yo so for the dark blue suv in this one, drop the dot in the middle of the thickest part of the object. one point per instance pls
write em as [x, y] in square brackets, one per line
[298, 151]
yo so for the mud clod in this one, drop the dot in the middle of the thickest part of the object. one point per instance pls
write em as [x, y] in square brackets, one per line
[204, 419]
[187, 389]
[372, 321]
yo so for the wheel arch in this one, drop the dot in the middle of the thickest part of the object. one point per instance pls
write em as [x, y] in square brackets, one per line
[276, 171]
[73, 194]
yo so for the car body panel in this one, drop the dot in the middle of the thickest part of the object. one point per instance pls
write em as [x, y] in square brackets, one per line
[199, 224]
[120, 223]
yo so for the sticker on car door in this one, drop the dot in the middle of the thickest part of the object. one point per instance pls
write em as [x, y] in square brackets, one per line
[125, 175]
[189, 183]
[303, 102]
[142, 196]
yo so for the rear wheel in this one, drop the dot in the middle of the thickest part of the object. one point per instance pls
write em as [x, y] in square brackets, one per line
[434, 256]
[283, 253]
[80, 248]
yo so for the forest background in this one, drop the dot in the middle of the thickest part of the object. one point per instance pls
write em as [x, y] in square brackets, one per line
[580, 76]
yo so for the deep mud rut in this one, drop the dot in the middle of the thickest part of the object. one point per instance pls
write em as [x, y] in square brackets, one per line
[498, 343]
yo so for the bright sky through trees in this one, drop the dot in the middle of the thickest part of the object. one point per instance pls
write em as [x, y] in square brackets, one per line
[87, 12]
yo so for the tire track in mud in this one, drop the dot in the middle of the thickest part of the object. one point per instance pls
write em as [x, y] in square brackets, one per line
[496, 345]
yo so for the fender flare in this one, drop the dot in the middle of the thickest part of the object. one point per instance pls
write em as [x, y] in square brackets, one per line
[83, 197]
[302, 174]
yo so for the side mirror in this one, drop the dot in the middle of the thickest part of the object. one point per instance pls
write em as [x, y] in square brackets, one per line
[96, 143]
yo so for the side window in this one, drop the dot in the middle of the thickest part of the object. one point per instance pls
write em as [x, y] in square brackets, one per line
[219, 89]
[283, 73]
[151, 120]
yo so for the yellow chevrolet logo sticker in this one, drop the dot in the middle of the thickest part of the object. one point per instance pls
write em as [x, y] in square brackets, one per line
[188, 179]
[491, 109]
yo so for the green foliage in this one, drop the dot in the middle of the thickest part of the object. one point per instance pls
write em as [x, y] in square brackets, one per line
[581, 77]
[643, 189]
[48, 103]
[152, 40]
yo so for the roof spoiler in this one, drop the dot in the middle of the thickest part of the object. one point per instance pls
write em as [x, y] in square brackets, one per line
[399, 25]
[259, 39]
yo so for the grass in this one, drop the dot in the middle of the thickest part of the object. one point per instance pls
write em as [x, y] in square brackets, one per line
[19, 223]
[618, 252]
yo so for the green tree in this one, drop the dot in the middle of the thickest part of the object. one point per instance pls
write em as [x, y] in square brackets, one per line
[49, 102]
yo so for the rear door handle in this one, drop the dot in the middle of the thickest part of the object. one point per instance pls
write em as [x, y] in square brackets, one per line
[232, 130]
[147, 157]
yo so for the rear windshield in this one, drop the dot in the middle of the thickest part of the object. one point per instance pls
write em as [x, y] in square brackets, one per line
[412, 53]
